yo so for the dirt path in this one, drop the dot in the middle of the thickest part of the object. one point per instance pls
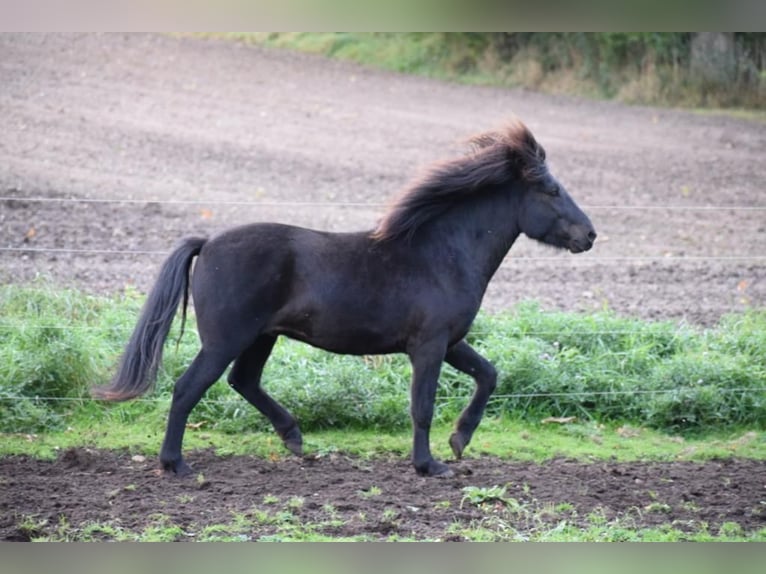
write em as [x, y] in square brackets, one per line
[339, 496]
[156, 118]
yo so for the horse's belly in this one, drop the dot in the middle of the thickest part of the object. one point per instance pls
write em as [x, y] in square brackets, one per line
[347, 341]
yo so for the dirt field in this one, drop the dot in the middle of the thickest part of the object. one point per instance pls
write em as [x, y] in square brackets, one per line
[341, 496]
[114, 146]
[156, 119]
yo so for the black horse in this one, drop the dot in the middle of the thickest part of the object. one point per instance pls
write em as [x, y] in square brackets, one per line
[413, 285]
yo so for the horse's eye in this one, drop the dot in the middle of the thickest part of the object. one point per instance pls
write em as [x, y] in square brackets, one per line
[554, 190]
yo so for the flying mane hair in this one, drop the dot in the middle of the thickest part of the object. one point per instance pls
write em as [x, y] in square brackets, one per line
[496, 157]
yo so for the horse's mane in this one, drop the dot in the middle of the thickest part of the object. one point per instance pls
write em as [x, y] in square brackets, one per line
[495, 158]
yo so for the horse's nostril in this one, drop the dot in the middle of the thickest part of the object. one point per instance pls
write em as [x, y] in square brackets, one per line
[592, 236]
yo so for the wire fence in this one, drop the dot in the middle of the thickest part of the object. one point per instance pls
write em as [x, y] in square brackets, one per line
[580, 260]
[443, 399]
[365, 204]
[15, 325]
[356, 204]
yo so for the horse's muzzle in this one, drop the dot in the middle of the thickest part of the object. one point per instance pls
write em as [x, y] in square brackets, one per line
[583, 242]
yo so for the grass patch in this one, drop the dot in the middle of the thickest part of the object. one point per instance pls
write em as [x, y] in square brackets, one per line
[598, 368]
[497, 436]
[499, 530]
[510, 521]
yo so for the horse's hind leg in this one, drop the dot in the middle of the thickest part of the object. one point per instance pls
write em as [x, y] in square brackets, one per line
[201, 374]
[465, 359]
[245, 378]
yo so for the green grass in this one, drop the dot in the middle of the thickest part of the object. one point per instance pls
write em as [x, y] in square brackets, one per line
[488, 530]
[497, 436]
[509, 520]
[599, 368]
[416, 53]
[504, 519]
[498, 530]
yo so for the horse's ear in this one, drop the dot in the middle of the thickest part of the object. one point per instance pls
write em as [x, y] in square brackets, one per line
[524, 154]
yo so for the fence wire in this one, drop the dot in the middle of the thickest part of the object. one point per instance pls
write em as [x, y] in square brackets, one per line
[377, 205]
[582, 259]
[441, 398]
[331, 204]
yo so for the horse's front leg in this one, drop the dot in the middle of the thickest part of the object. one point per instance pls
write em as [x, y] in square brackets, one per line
[465, 359]
[426, 366]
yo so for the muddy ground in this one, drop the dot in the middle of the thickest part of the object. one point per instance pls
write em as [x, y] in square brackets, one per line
[341, 497]
[115, 146]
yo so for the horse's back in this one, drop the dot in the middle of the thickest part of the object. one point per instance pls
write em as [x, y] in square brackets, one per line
[253, 270]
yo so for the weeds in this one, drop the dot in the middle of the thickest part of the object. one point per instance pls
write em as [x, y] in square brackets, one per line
[371, 492]
[480, 496]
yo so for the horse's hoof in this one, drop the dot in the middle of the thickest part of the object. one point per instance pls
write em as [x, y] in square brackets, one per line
[177, 469]
[446, 473]
[295, 447]
[435, 469]
[293, 441]
[457, 443]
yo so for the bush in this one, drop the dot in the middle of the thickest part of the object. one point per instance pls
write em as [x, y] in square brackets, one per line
[48, 354]
[689, 69]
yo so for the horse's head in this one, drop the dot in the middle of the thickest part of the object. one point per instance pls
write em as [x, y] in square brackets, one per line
[511, 163]
[546, 211]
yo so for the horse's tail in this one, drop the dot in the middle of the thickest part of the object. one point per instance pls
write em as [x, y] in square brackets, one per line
[138, 367]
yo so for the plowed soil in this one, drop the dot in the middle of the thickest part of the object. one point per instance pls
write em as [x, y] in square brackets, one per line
[114, 146]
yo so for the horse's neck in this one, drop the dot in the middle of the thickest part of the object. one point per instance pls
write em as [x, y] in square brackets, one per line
[483, 232]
